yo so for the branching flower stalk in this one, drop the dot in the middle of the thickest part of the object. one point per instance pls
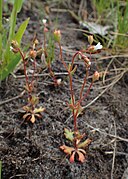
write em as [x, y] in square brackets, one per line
[16, 49]
[75, 137]
[76, 106]
[33, 100]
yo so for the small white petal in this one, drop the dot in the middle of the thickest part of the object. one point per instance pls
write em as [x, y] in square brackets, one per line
[98, 46]
[59, 81]
[89, 63]
[11, 48]
[44, 21]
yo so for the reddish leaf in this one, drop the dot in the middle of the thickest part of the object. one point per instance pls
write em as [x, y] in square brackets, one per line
[66, 149]
[72, 157]
[32, 118]
[26, 115]
[81, 156]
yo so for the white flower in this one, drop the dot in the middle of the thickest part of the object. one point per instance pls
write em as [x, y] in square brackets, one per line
[44, 21]
[11, 48]
[98, 46]
[89, 63]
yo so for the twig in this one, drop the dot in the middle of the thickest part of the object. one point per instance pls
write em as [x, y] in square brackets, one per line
[11, 99]
[111, 84]
[18, 175]
[114, 153]
[40, 75]
[106, 70]
[112, 56]
[117, 153]
[105, 133]
[96, 98]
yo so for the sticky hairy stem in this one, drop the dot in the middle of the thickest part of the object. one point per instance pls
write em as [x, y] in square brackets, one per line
[52, 73]
[86, 94]
[75, 112]
[84, 83]
[61, 57]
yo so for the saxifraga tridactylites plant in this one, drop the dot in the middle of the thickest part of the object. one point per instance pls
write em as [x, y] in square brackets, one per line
[75, 105]
[31, 111]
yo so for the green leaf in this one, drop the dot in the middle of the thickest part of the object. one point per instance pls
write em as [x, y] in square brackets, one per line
[10, 66]
[79, 110]
[21, 31]
[39, 110]
[0, 47]
[85, 143]
[1, 3]
[69, 135]
[74, 70]
[16, 9]
[50, 50]
[19, 4]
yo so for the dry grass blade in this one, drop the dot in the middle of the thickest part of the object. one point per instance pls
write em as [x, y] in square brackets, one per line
[116, 79]
[107, 134]
[114, 152]
[12, 99]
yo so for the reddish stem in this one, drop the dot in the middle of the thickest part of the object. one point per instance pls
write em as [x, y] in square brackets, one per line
[25, 71]
[34, 69]
[61, 57]
[26, 77]
[52, 74]
[73, 59]
[71, 89]
[86, 94]
[75, 127]
[69, 74]
[85, 80]
[77, 105]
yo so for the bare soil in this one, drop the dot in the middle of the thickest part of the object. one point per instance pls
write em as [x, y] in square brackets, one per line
[31, 151]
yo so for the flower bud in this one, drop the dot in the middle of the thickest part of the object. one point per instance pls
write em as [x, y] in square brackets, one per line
[86, 60]
[57, 35]
[59, 81]
[36, 42]
[32, 54]
[14, 50]
[96, 76]
[45, 29]
[90, 39]
[14, 44]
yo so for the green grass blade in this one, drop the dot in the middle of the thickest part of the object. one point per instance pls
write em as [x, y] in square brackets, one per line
[0, 47]
[19, 4]
[21, 31]
[17, 37]
[10, 66]
[0, 15]
[16, 9]
[1, 27]
[12, 23]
